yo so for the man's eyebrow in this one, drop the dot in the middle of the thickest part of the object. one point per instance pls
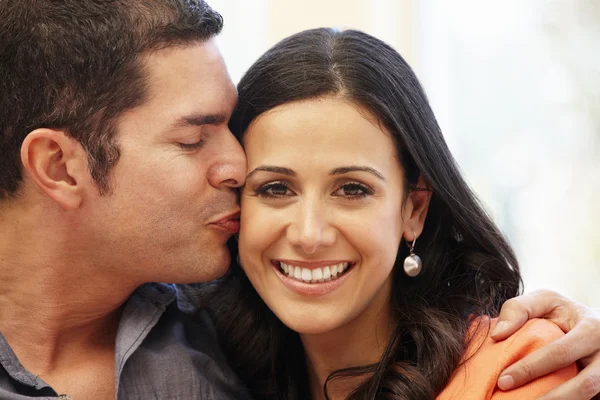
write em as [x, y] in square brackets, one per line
[272, 168]
[197, 119]
[345, 170]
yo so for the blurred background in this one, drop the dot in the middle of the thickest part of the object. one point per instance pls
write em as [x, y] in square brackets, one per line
[515, 86]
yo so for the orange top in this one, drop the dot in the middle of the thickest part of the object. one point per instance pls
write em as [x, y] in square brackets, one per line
[476, 379]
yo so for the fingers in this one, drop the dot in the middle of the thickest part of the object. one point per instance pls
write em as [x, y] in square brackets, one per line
[552, 357]
[516, 311]
[581, 343]
[583, 387]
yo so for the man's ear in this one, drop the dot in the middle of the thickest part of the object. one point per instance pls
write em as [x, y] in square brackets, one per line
[415, 210]
[57, 164]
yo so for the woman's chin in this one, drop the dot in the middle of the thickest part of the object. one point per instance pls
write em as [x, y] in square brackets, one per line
[309, 325]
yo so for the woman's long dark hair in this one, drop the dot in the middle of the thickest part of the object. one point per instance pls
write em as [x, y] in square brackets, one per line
[469, 268]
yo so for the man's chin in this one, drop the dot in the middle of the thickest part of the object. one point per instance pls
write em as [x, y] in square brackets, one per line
[204, 272]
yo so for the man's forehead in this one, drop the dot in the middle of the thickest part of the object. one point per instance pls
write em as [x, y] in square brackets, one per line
[196, 62]
[208, 50]
[186, 86]
[195, 73]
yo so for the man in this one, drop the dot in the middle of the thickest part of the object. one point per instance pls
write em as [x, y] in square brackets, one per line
[117, 169]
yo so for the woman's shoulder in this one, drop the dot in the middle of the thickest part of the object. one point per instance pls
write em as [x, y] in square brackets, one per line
[485, 359]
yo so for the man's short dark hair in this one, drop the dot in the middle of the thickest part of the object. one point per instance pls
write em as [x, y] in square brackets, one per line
[75, 65]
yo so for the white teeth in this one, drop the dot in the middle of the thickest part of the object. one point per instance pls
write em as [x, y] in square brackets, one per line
[306, 275]
[334, 270]
[342, 267]
[288, 269]
[315, 275]
[326, 274]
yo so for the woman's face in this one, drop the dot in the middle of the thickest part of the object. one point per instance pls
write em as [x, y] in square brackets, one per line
[323, 213]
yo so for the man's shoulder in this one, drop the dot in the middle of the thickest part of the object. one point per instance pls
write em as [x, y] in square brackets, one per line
[178, 327]
[180, 356]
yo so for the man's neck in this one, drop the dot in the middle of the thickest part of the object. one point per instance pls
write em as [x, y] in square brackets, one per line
[56, 304]
[359, 343]
[46, 333]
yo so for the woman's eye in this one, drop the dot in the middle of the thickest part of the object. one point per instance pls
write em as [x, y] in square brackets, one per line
[192, 146]
[353, 191]
[274, 189]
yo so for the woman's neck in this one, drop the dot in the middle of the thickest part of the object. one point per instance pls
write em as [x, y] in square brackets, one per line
[360, 342]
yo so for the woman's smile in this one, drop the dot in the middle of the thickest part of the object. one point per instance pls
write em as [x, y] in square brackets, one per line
[312, 278]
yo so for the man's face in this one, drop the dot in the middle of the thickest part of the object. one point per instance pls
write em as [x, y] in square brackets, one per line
[174, 200]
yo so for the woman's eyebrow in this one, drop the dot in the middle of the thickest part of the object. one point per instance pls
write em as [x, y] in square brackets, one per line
[272, 168]
[345, 170]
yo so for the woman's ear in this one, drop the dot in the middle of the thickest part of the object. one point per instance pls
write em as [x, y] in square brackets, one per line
[415, 210]
[57, 164]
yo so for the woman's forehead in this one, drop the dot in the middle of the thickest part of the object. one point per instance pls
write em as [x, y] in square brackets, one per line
[319, 121]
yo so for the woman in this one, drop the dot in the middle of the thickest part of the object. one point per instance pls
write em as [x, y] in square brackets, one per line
[350, 186]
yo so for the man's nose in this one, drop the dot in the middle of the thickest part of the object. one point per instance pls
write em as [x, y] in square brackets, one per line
[230, 169]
